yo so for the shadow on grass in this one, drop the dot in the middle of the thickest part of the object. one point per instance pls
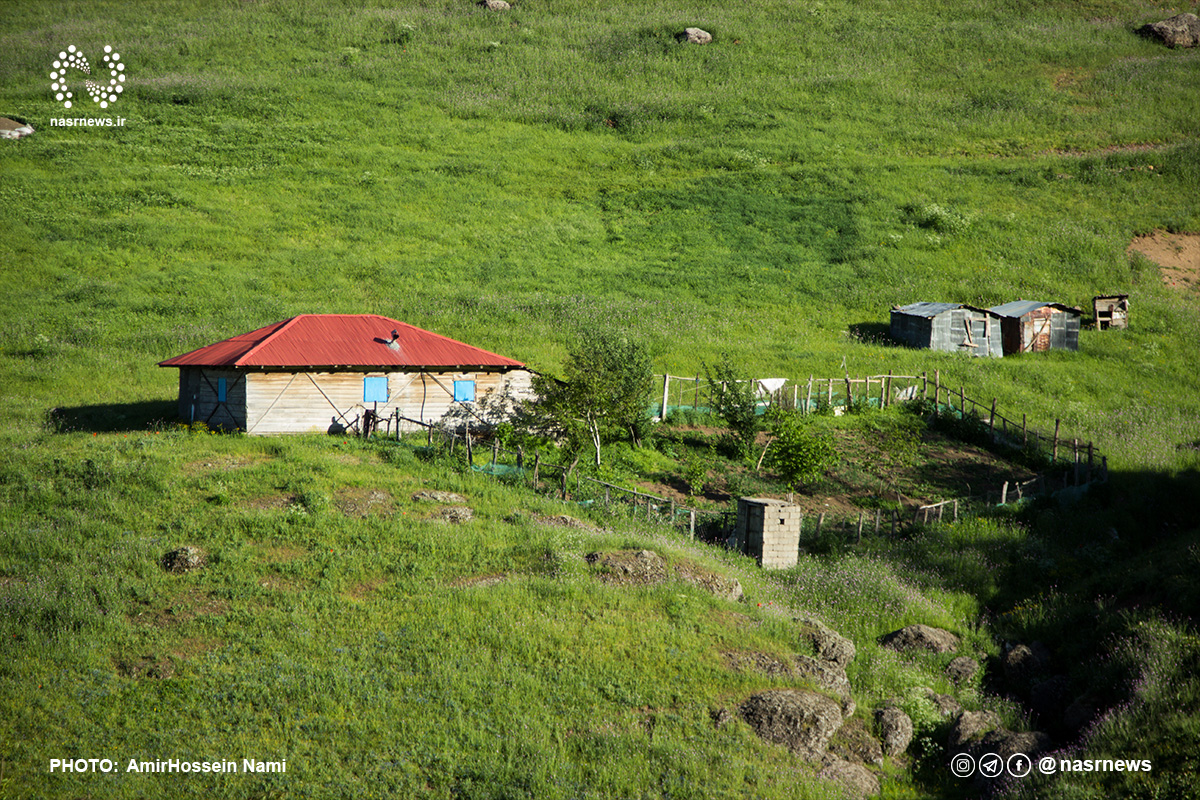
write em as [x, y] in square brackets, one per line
[111, 417]
[874, 333]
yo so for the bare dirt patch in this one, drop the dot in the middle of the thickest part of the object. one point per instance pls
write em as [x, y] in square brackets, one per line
[279, 583]
[361, 502]
[147, 666]
[272, 502]
[221, 464]
[478, 581]
[184, 607]
[363, 590]
[280, 553]
[1177, 256]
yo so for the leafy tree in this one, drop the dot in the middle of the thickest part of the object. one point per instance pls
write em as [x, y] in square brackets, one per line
[603, 395]
[800, 453]
[734, 401]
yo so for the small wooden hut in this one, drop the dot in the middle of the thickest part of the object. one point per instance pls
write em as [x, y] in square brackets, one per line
[1111, 311]
[1032, 326]
[953, 327]
[324, 372]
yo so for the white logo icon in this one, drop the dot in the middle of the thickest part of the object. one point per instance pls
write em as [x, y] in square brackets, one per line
[1019, 765]
[962, 765]
[100, 92]
[1047, 765]
[991, 765]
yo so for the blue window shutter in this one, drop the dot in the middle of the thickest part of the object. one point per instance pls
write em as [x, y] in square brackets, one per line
[464, 391]
[220, 390]
[375, 390]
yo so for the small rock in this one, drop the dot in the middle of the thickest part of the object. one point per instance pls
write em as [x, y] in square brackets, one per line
[184, 559]
[828, 644]
[801, 721]
[1181, 30]
[694, 36]
[494, 5]
[433, 496]
[981, 731]
[962, 669]
[856, 780]
[720, 717]
[895, 730]
[921, 637]
[970, 728]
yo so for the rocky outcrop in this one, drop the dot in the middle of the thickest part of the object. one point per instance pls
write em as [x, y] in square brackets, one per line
[630, 567]
[1181, 30]
[856, 780]
[827, 676]
[961, 670]
[979, 732]
[827, 644]
[895, 730]
[801, 721]
[434, 496]
[854, 743]
[717, 585]
[921, 637]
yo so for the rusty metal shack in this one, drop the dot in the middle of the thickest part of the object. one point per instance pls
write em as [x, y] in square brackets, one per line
[1111, 311]
[1033, 326]
[952, 327]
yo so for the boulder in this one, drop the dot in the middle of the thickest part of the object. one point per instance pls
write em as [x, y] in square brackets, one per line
[694, 36]
[981, 732]
[827, 644]
[1181, 30]
[895, 730]
[962, 669]
[855, 744]
[456, 514]
[801, 721]
[856, 780]
[824, 675]
[183, 559]
[921, 637]
[1023, 664]
[1080, 712]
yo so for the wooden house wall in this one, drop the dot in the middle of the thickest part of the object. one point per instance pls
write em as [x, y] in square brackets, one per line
[198, 397]
[295, 402]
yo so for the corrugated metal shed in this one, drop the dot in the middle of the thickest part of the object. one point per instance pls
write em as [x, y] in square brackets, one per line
[340, 340]
[951, 327]
[1032, 326]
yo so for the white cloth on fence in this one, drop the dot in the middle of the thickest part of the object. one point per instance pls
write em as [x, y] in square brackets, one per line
[767, 386]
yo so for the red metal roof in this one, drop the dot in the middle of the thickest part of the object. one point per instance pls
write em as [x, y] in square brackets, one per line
[339, 340]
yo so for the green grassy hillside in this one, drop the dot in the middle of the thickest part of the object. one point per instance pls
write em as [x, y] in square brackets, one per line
[508, 179]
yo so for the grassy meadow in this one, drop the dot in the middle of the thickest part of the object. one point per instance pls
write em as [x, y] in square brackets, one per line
[512, 179]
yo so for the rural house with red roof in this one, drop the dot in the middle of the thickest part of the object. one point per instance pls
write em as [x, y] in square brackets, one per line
[323, 372]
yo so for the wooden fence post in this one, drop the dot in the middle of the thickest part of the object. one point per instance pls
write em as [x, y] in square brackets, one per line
[878, 513]
[924, 385]
[858, 537]
[666, 383]
[956, 510]
[537, 462]
[820, 522]
[1004, 494]
[992, 422]
[1054, 454]
[937, 391]
[692, 524]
